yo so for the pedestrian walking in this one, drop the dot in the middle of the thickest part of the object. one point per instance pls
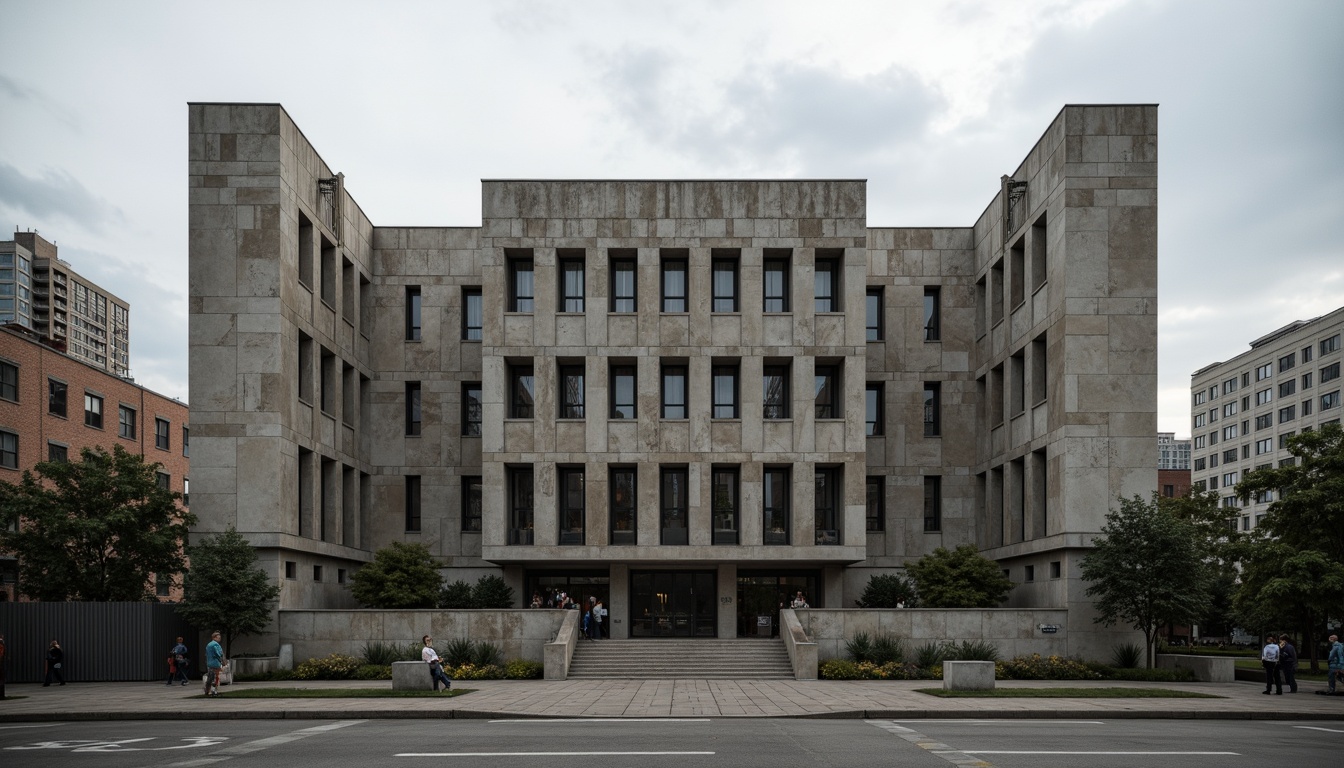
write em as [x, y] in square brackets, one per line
[178, 663]
[1288, 662]
[597, 610]
[55, 664]
[214, 664]
[431, 657]
[1334, 666]
[1269, 659]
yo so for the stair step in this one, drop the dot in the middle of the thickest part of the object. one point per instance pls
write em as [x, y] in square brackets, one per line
[666, 659]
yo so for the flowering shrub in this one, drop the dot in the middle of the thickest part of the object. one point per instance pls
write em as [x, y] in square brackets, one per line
[1037, 667]
[522, 669]
[333, 667]
[473, 672]
[844, 669]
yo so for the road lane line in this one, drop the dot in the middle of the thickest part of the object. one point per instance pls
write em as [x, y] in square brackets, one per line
[567, 720]
[34, 725]
[1062, 752]
[997, 721]
[266, 743]
[542, 754]
[929, 745]
[1315, 728]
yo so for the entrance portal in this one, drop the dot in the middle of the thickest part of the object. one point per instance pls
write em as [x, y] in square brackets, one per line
[673, 604]
[760, 598]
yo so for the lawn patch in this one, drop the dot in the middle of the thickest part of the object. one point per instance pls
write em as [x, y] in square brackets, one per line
[1069, 693]
[337, 693]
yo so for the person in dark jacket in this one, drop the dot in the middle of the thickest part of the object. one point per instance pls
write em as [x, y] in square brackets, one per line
[1288, 662]
[55, 661]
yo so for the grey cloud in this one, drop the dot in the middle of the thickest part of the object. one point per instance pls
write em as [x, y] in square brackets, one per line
[56, 194]
[13, 90]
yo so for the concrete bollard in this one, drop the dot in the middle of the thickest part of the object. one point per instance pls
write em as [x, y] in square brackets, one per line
[411, 676]
[968, 675]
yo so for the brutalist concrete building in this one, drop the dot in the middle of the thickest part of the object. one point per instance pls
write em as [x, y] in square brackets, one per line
[687, 397]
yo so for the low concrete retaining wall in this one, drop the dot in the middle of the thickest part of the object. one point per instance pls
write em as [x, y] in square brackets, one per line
[254, 665]
[411, 676]
[1207, 669]
[802, 651]
[968, 675]
[560, 651]
[519, 633]
[1015, 631]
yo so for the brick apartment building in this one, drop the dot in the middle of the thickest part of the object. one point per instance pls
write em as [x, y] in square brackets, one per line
[53, 405]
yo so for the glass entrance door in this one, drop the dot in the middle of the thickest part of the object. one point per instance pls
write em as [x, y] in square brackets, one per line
[760, 596]
[672, 604]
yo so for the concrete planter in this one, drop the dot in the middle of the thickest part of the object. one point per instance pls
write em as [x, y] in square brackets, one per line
[968, 675]
[411, 676]
[1207, 669]
[253, 665]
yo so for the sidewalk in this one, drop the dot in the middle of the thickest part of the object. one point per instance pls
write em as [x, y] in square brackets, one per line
[654, 698]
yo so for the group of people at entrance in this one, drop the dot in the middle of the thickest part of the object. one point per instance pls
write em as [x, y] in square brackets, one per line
[594, 612]
[1279, 659]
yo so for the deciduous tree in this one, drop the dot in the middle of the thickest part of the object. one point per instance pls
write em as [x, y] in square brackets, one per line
[400, 576]
[959, 578]
[225, 590]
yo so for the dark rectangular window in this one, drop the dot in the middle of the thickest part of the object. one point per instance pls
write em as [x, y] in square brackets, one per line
[471, 503]
[1287, 361]
[675, 292]
[472, 314]
[571, 391]
[624, 519]
[305, 251]
[876, 514]
[572, 505]
[56, 397]
[305, 378]
[624, 285]
[328, 273]
[724, 496]
[933, 504]
[9, 450]
[186, 442]
[826, 519]
[93, 411]
[828, 395]
[317, 573]
[724, 284]
[776, 283]
[1329, 373]
[413, 412]
[775, 394]
[161, 434]
[9, 381]
[872, 405]
[126, 422]
[827, 291]
[520, 505]
[775, 507]
[571, 285]
[873, 313]
[674, 391]
[412, 503]
[933, 397]
[521, 389]
[623, 392]
[1287, 388]
[1330, 345]
[1264, 421]
[328, 381]
[471, 409]
[725, 391]
[412, 313]
[673, 504]
[57, 452]
[522, 285]
[163, 481]
[933, 312]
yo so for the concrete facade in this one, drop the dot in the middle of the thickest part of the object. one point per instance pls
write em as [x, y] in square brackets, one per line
[1244, 410]
[621, 388]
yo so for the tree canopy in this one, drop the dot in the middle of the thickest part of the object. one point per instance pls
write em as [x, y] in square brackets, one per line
[99, 528]
[1148, 568]
[400, 576]
[224, 588]
[887, 590]
[960, 578]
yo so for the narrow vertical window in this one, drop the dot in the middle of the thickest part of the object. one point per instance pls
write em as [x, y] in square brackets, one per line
[521, 390]
[56, 397]
[775, 394]
[933, 395]
[161, 434]
[932, 312]
[471, 503]
[724, 500]
[9, 381]
[624, 520]
[93, 411]
[572, 506]
[623, 285]
[126, 422]
[872, 403]
[412, 408]
[1039, 377]
[933, 504]
[828, 392]
[875, 516]
[996, 289]
[827, 291]
[873, 314]
[674, 285]
[776, 284]
[673, 505]
[471, 314]
[1017, 278]
[724, 391]
[412, 503]
[571, 391]
[186, 442]
[9, 450]
[521, 285]
[826, 519]
[1039, 248]
[412, 313]
[674, 391]
[520, 505]
[775, 507]
[724, 284]
[623, 392]
[471, 409]
[571, 284]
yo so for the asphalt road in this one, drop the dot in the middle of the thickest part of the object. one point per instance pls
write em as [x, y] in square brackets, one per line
[670, 743]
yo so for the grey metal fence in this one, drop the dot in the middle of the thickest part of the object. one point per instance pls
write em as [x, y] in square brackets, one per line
[103, 642]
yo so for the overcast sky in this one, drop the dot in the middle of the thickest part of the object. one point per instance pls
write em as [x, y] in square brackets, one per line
[931, 102]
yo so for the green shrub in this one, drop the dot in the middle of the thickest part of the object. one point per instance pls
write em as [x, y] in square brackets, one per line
[1038, 667]
[458, 652]
[887, 649]
[522, 669]
[859, 647]
[485, 654]
[971, 650]
[383, 654]
[491, 592]
[1127, 655]
[470, 671]
[887, 590]
[335, 666]
[844, 669]
[929, 655]
[374, 672]
[838, 669]
[456, 596]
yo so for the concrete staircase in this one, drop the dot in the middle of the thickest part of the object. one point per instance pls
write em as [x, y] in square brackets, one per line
[669, 659]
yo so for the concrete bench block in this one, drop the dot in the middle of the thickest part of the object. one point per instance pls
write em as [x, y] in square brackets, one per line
[968, 675]
[411, 676]
[1207, 669]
